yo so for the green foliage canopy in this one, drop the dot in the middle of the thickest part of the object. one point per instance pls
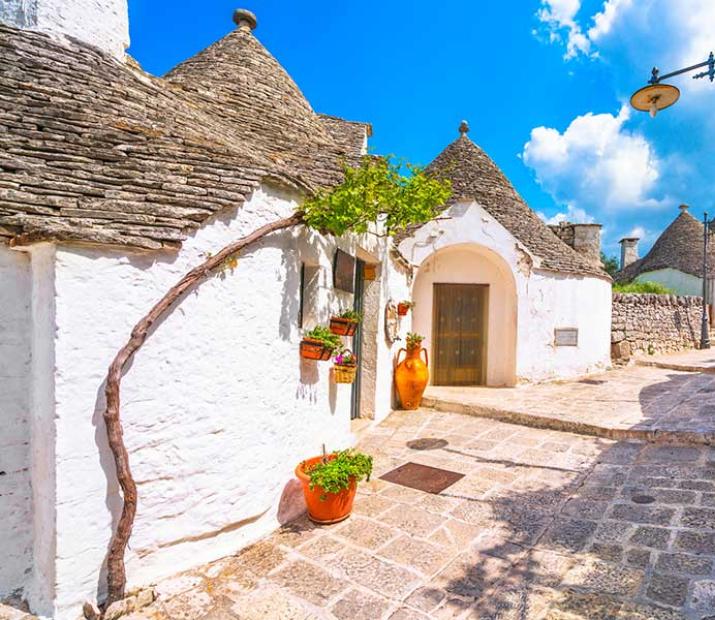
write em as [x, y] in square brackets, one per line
[610, 264]
[377, 191]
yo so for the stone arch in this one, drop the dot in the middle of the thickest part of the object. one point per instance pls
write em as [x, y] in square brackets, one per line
[471, 263]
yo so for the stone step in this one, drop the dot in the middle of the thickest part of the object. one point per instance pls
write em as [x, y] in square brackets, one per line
[541, 421]
[682, 366]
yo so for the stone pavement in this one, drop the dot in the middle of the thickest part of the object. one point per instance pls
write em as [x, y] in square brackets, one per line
[543, 525]
[693, 361]
[644, 403]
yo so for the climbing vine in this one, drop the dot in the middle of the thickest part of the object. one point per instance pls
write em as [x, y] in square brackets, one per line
[374, 193]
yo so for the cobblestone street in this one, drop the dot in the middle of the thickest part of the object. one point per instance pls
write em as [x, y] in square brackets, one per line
[664, 398]
[544, 524]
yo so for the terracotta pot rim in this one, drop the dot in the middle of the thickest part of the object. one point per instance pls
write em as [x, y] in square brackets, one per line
[341, 319]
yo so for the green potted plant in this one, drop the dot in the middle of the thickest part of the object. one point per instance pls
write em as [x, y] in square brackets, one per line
[345, 323]
[319, 344]
[404, 307]
[345, 367]
[330, 483]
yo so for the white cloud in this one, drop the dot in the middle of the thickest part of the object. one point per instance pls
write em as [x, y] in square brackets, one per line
[668, 32]
[572, 214]
[559, 19]
[596, 164]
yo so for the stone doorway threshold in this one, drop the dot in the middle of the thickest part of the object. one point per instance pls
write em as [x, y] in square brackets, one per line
[653, 403]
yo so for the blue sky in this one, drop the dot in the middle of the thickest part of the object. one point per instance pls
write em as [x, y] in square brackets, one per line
[543, 84]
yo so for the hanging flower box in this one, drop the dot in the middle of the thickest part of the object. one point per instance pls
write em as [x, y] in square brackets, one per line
[319, 344]
[312, 349]
[345, 323]
[404, 307]
[345, 367]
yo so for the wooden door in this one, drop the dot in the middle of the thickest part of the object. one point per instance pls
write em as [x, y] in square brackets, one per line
[459, 333]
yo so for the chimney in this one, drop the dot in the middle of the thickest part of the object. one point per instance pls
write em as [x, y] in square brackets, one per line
[584, 238]
[629, 251]
[103, 24]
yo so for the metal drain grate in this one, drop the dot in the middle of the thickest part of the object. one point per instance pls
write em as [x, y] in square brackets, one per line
[422, 477]
[427, 443]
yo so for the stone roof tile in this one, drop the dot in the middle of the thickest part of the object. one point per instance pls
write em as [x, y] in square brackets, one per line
[92, 150]
[475, 176]
[680, 247]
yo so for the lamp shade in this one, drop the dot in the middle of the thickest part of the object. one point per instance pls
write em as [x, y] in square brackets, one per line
[655, 97]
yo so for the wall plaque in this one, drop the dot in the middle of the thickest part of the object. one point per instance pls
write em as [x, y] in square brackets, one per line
[566, 337]
[344, 271]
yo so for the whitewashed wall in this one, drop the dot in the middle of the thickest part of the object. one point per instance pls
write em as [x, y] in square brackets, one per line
[218, 408]
[101, 23]
[680, 283]
[15, 360]
[544, 300]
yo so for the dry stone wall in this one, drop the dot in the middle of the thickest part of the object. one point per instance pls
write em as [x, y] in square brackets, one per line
[644, 323]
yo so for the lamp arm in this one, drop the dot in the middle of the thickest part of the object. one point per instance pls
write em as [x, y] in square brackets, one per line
[710, 63]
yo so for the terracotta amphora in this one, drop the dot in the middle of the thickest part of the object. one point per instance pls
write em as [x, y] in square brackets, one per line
[411, 377]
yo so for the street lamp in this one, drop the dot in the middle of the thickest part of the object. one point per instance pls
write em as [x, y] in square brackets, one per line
[704, 323]
[657, 96]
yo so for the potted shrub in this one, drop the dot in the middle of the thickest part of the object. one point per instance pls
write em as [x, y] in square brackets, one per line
[404, 307]
[319, 344]
[345, 323]
[345, 367]
[330, 482]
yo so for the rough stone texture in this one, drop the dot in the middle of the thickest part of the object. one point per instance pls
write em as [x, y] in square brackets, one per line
[584, 238]
[103, 24]
[644, 323]
[97, 151]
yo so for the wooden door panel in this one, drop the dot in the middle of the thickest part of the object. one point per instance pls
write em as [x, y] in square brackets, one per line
[459, 333]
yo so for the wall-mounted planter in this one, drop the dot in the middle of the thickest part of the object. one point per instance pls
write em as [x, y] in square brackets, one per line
[403, 309]
[311, 349]
[342, 327]
[344, 373]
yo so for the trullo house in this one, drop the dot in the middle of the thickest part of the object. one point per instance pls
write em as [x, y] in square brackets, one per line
[115, 183]
[675, 260]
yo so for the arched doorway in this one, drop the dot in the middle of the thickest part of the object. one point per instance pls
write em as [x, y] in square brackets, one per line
[466, 307]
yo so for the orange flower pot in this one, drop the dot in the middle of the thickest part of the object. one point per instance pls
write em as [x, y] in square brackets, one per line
[314, 350]
[335, 507]
[402, 309]
[411, 377]
[342, 327]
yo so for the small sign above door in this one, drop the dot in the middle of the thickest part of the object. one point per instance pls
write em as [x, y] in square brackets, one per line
[566, 337]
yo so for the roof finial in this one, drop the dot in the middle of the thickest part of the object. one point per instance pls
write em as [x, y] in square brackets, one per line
[464, 128]
[683, 208]
[245, 19]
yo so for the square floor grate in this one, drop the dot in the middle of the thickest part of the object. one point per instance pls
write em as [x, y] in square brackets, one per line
[422, 477]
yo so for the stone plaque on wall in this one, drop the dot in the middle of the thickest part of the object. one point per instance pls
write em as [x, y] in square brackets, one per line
[566, 337]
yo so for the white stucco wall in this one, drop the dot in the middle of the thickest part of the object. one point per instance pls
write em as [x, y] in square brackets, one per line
[545, 300]
[101, 23]
[679, 282]
[15, 360]
[217, 407]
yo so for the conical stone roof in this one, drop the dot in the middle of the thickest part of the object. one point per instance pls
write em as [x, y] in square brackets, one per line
[241, 83]
[475, 176]
[680, 247]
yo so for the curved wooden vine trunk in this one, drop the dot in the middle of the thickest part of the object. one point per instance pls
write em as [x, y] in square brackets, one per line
[116, 571]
